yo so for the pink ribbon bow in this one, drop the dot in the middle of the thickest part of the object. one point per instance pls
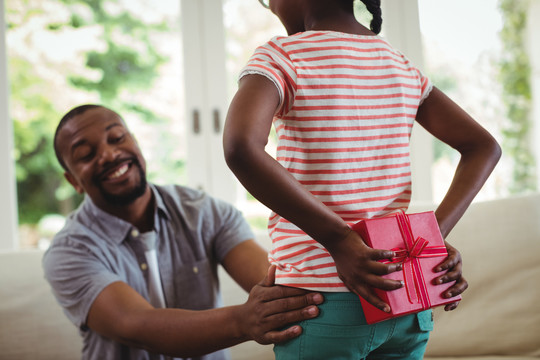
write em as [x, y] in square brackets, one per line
[409, 256]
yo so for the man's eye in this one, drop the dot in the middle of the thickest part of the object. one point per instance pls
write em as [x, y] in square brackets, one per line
[117, 139]
[84, 156]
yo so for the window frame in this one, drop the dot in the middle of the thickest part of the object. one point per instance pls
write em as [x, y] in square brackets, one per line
[8, 198]
[206, 95]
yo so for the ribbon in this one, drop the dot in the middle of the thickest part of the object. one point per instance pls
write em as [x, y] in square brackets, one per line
[410, 256]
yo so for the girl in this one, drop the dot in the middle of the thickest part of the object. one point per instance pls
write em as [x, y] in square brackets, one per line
[343, 102]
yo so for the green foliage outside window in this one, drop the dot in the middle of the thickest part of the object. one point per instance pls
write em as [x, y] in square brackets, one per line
[515, 75]
[125, 62]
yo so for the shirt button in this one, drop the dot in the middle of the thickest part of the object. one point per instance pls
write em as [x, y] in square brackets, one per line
[144, 266]
[195, 270]
[135, 233]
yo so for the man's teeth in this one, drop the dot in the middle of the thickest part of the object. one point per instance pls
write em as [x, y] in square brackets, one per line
[121, 171]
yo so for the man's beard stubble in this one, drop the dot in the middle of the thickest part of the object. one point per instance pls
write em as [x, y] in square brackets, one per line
[125, 199]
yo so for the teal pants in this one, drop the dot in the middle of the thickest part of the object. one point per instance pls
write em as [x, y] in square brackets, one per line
[341, 332]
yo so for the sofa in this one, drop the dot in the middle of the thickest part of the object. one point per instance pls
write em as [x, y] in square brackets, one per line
[498, 318]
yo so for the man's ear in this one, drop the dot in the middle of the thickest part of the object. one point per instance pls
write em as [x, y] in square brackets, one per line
[71, 179]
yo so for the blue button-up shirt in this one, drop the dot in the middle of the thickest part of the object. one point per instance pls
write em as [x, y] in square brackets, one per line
[94, 249]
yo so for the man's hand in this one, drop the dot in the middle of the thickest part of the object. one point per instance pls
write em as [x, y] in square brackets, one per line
[270, 308]
[453, 264]
[359, 269]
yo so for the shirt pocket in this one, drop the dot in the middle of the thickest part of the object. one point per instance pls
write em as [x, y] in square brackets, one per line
[196, 286]
[425, 320]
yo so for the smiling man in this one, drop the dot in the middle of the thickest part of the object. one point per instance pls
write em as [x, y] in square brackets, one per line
[115, 179]
[135, 266]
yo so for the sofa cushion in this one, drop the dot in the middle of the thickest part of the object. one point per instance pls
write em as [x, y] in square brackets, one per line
[32, 325]
[500, 312]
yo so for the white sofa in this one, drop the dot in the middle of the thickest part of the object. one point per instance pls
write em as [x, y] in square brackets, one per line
[498, 319]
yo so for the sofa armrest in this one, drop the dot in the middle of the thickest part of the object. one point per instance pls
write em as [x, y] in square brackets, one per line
[32, 325]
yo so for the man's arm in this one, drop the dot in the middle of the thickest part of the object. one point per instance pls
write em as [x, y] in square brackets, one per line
[247, 263]
[123, 315]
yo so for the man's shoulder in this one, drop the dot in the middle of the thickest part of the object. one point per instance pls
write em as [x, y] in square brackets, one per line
[73, 234]
[82, 229]
[192, 203]
[75, 224]
[179, 191]
[187, 198]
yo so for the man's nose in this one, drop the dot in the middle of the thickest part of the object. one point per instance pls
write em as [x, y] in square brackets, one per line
[108, 153]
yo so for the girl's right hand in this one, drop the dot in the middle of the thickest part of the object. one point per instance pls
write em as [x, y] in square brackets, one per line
[359, 269]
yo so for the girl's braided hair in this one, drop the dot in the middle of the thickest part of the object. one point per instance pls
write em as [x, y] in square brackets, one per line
[374, 7]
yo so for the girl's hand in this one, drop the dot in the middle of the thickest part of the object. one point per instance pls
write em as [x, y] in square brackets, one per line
[453, 264]
[359, 269]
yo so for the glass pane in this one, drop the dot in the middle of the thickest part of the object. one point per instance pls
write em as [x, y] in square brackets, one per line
[463, 61]
[242, 36]
[63, 53]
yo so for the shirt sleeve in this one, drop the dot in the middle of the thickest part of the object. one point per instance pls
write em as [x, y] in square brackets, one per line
[424, 83]
[273, 62]
[214, 222]
[229, 228]
[77, 277]
[426, 86]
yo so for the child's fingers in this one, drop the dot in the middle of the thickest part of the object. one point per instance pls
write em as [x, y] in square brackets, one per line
[373, 299]
[378, 254]
[452, 306]
[380, 282]
[448, 263]
[458, 288]
[378, 268]
[453, 274]
[452, 260]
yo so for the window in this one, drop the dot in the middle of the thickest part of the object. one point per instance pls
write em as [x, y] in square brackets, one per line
[462, 62]
[465, 59]
[172, 70]
[123, 54]
[242, 36]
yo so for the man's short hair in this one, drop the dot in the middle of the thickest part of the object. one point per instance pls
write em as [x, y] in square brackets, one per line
[68, 116]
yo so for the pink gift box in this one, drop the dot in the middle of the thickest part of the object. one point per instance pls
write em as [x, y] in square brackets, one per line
[418, 244]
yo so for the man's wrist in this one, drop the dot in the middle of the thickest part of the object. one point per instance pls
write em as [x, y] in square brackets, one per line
[239, 330]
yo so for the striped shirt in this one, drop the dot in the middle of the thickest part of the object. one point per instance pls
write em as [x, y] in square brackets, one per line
[347, 107]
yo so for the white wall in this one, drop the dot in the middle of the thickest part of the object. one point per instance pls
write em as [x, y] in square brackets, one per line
[401, 25]
[533, 34]
[206, 95]
[8, 203]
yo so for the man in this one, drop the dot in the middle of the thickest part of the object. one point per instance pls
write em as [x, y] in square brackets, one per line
[135, 267]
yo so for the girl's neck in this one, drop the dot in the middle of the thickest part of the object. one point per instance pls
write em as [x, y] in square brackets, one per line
[345, 24]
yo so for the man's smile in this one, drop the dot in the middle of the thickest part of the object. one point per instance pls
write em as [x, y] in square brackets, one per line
[116, 171]
[121, 171]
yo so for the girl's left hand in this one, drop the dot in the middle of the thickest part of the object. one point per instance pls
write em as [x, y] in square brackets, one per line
[453, 264]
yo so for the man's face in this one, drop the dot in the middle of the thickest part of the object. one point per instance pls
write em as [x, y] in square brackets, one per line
[102, 158]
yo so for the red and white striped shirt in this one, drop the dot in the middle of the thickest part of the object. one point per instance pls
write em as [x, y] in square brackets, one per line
[347, 107]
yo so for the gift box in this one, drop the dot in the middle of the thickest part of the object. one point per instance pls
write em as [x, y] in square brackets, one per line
[419, 246]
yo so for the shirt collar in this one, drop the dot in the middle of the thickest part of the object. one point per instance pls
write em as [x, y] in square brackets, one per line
[114, 229]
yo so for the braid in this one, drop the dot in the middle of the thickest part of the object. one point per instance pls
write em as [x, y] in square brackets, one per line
[374, 7]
